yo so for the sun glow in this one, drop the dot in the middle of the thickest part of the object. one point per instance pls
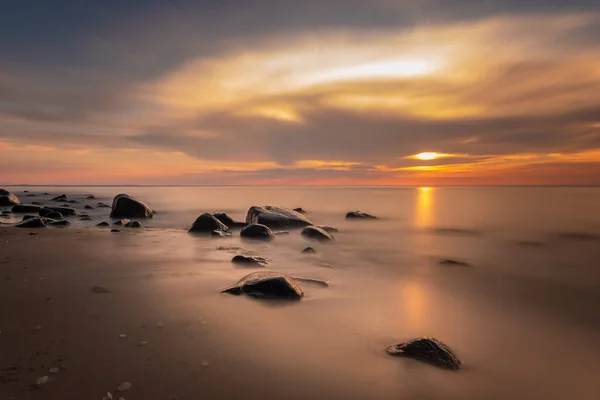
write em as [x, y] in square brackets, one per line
[429, 155]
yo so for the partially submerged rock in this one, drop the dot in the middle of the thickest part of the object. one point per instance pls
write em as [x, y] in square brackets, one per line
[65, 211]
[207, 223]
[428, 350]
[90, 197]
[85, 218]
[88, 207]
[133, 224]
[228, 221]
[359, 215]
[267, 285]
[276, 217]
[8, 199]
[36, 222]
[328, 228]
[103, 225]
[309, 250]
[250, 260]
[316, 233]
[25, 208]
[115, 231]
[26, 217]
[54, 215]
[102, 205]
[126, 206]
[300, 210]
[62, 197]
[257, 231]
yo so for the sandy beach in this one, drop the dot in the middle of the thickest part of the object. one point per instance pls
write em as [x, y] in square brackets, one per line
[91, 309]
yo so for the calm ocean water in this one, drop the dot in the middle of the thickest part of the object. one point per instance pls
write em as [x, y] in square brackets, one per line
[524, 316]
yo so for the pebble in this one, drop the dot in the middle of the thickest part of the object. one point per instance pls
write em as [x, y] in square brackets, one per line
[41, 381]
[123, 387]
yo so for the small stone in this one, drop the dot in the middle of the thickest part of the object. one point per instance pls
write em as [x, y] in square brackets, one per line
[54, 370]
[41, 381]
[123, 387]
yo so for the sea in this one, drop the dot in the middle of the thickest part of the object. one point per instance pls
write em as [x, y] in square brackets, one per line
[521, 307]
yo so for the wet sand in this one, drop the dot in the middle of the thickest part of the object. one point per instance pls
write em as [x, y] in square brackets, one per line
[519, 338]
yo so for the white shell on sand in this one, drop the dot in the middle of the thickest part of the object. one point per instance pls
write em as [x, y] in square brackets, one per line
[42, 380]
[124, 387]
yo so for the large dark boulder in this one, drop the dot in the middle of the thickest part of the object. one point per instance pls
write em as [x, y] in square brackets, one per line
[316, 233]
[62, 197]
[428, 350]
[65, 211]
[267, 285]
[8, 199]
[25, 208]
[257, 231]
[126, 206]
[359, 215]
[228, 221]
[207, 223]
[32, 223]
[276, 217]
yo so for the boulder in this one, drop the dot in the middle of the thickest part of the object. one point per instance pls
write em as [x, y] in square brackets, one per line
[267, 285]
[36, 222]
[103, 225]
[228, 221]
[359, 215]
[316, 233]
[207, 223]
[88, 207]
[132, 224]
[328, 228]
[25, 208]
[126, 206]
[62, 197]
[249, 260]
[276, 217]
[54, 215]
[257, 231]
[8, 199]
[428, 350]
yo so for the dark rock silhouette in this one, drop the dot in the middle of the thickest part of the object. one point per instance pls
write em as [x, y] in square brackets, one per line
[62, 197]
[316, 233]
[428, 350]
[359, 215]
[126, 206]
[309, 250]
[267, 285]
[132, 224]
[25, 208]
[257, 231]
[207, 223]
[32, 223]
[249, 260]
[88, 207]
[228, 221]
[300, 210]
[328, 228]
[54, 215]
[276, 217]
[453, 262]
[103, 225]
[8, 199]
[60, 223]
[65, 211]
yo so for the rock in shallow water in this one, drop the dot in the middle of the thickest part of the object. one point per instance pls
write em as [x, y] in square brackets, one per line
[276, 217]
[228, 221]
[309, 250]
[316, 233]
[328, 228]
[8, 199]
[88, 207]
[66, 211]
[221, 234]
[133, 224]
[25, 208]
[207, 223]
[428, 350]
[62, 197]
[54, 215]
[32, 223]
[359, 215]
[257, 231]
[60, 223]
[454, 262]
[126, 206]
[103, 225]
[267, 285]
[250, 260]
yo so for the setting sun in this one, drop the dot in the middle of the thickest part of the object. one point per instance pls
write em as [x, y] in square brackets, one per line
[427, 156]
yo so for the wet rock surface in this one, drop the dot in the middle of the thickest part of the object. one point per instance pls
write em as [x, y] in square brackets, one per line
[309, 250]
[327, 228]
[207, 223]
[359, 215]
[267, 285]
[36, 222]
[126, 206]
[428, 350]
[257, 231]
[228, 221]
[8, 199]
[250, 260]
[316, 233]
[276, 217]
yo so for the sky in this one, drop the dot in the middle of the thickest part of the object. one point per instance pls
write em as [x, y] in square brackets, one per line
[287, 92]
